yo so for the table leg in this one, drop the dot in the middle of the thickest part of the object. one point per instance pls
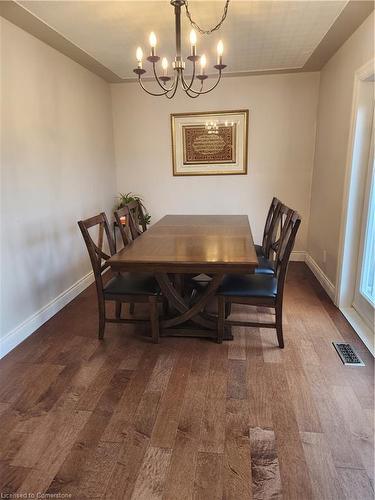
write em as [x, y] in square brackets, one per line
[193, 313]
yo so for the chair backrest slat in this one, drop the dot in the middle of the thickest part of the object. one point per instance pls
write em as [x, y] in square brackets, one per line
[277, 227]
[100, 237]
[123, 218]
[95, 250]
[137, 220]
[270, 225]
[285, 245]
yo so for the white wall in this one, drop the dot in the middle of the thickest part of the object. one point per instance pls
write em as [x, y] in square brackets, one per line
[57, 166]
[281, 148]
[334, 115]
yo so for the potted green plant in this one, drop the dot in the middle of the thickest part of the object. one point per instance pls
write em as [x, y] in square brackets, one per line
[126, 198]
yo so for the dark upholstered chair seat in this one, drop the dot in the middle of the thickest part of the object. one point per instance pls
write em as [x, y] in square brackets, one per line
[249, 285]
[266, 266]
[132, 284]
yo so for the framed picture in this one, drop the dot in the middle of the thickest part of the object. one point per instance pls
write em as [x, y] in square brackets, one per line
[213, 143]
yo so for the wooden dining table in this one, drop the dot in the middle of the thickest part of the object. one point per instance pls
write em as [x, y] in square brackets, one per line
[180, 246]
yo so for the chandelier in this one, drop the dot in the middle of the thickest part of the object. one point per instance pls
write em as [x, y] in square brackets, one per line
[167, 87]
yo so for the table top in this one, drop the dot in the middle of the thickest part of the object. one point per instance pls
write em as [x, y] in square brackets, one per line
[191, 243]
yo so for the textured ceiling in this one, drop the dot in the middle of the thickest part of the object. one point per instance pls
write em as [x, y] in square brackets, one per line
[257, 35]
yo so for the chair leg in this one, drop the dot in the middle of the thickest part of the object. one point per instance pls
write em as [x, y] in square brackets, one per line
[101, 310]
[118, 310]
[228, 309]
[221, 318]
[154, 318]
[131, 308]
[279, 325]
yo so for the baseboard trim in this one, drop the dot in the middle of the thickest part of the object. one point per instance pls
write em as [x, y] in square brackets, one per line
[298, 256]
[328, 286]
[27, 327]
[360, 327]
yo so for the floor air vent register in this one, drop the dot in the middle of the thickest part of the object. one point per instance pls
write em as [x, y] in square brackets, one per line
[347, 354]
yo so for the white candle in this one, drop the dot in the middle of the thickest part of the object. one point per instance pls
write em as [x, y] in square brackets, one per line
[220, 50]
[152, 40]
[193, 42]
[139, 56]
[203, 62]
[164, 65]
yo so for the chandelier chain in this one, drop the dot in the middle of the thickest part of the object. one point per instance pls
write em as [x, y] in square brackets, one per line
[201, 30]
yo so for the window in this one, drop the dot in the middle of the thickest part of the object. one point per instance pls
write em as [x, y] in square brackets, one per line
[367, 281]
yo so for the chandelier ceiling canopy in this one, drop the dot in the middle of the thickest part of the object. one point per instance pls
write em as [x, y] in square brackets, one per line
[168, 86]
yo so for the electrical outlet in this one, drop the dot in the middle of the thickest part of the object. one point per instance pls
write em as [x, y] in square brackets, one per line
[324, 256]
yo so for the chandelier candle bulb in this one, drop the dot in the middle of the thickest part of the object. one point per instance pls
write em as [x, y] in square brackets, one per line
[164, 65]
[220, 50]
[139, 57]
[203, 62]
[193, 42]
[152, 40]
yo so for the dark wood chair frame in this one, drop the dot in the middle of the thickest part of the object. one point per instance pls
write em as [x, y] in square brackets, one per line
[285, 246]
[137, 222]
[269, 226]
[97, 256]
[125, 229]
[276, 228]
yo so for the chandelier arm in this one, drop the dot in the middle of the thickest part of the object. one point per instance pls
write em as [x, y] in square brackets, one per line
[191, 96]
[151, 93]
[175, 88]
[200, 92]
[183, 81]
[197, 94]
[159, 82]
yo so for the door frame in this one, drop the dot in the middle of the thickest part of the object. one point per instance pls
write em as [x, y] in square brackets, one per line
[361, 303]
[350, 230]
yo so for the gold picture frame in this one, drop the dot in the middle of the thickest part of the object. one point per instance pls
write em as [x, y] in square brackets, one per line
[210, 143]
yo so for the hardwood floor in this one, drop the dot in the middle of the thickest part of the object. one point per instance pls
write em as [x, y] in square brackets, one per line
[189, 418]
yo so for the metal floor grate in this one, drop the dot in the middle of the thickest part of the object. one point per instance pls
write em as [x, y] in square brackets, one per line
[347, 354]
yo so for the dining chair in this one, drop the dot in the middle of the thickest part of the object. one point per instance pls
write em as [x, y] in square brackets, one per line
[123, 220]
[137, 221]
[121, 287]
[266, 253]
[260, 289]
[125, 223]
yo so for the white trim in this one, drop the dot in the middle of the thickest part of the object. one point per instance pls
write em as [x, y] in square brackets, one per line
[361, 328]
[326, 283]
[298, 256]
[360, 75]
[13, 338]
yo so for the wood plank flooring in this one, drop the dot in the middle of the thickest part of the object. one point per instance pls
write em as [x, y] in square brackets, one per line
[188, 418]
